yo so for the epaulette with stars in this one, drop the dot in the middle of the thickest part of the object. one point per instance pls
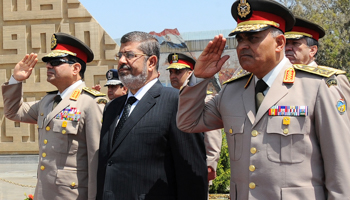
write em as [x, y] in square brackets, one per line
[94, 92]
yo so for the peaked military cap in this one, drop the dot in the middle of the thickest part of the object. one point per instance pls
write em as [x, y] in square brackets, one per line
[305, 28]
[112, 77]
[63, 44]
[259, 15]
[180, 61]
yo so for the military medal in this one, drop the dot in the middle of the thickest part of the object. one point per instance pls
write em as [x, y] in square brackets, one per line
[289, 75]
[341, 106]
[288, 111]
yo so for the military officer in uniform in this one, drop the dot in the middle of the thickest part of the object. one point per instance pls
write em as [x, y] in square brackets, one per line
[302, 46]
[115, 86]
[68, 120]
[181, 66]
[287, 130]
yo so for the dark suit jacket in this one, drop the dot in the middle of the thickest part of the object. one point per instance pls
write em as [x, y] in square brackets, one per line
[151, 158]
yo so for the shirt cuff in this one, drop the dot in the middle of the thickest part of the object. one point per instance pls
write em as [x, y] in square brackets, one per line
[13, 81]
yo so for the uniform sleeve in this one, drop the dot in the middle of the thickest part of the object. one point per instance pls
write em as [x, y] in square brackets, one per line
[333, 132]
[14, 107]
[344, 86]
[93, 123]
[194, 114]
[213, 140]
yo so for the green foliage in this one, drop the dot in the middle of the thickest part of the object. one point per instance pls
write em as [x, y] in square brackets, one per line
[333, 16]
[221, 184]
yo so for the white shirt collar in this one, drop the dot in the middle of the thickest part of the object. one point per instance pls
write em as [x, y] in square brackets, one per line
[271, 76]
[70, 89]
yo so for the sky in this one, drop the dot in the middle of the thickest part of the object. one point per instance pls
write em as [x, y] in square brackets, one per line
[119, 17]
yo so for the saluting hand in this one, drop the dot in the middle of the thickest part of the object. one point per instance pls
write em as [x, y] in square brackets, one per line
[24, 68]
[210, 61]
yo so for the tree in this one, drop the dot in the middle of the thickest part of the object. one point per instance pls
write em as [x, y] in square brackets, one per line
[332, 15]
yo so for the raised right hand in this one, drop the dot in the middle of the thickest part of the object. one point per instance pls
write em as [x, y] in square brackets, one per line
[210, 61]
[24, 68]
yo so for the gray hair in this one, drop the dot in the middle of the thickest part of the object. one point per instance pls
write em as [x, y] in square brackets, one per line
[311, 42]
[276, 32]
[149, 45]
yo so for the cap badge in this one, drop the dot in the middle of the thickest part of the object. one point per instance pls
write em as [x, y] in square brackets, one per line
[109, 75]
[243, 9]
[53, 41]
[175, 58]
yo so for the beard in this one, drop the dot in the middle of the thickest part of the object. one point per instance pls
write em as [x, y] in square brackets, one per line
[131, 81]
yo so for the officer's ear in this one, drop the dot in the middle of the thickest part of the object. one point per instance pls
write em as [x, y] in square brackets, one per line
[313, 50]
[280, 43]
[76, 67]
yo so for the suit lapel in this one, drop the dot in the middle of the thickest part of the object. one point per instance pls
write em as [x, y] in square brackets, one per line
[277, 91]
[146, 103]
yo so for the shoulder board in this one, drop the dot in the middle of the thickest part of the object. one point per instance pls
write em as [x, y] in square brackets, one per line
[325, 72]
[239, 75]
[337, 71]
[52, 92]
[94, 92]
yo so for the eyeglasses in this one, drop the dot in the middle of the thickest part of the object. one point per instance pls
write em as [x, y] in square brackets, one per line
[58, 62]
[128, 55]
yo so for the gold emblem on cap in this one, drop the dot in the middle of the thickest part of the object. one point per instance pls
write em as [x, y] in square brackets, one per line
[175, 58]
[243, 8]
[53, 41]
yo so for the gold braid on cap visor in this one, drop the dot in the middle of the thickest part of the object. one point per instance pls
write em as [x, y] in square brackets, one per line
[296, 35]
[56, 53]
[254, 25]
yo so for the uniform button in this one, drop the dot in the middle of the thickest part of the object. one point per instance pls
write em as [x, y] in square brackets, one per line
[42, 114]
[253, 150]
[252, 185]
[251, 168]
[231, 131]
[255, 133]
[286, 131]
[45, 141]
[64, 131]
[73, 184]
[110, 163]
[48, 128]
[42, 167]
[43, 154]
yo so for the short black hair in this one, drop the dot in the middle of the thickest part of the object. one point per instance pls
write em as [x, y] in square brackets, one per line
[81, 62]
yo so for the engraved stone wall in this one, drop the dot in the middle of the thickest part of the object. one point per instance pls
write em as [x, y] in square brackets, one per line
[27, 27]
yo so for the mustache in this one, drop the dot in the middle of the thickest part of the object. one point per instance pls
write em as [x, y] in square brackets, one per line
[124, 66]
[245, 53]
[289, 53]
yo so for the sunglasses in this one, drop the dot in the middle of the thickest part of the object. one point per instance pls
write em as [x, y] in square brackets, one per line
[128, 55]
[58, 62]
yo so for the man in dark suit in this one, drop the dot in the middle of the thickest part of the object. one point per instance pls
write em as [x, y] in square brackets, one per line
[143, 155]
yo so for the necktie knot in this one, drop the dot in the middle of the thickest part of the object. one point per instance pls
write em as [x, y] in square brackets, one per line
[56, 101]
[131, 100]
[260, 86]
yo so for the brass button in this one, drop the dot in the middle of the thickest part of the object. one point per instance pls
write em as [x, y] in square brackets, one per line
[48, 128]
[41, 114]
[252, 185]
[251, 168]
[73, 184]
[64, 131]
[286, 131]
[43, 154]
[255, 133]
[253, 150]
[45, 141]
[231, 131]
[42, 167]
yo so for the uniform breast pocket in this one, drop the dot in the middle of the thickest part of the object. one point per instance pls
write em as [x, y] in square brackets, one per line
[64, 132]
[233, 127]
[286, 143]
